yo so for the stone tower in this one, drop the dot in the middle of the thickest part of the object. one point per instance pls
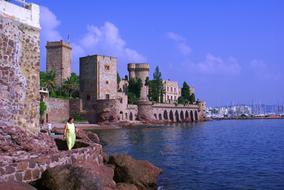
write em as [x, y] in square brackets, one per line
[59, 59]
[141, 71]
[98, 78]
[19, 65]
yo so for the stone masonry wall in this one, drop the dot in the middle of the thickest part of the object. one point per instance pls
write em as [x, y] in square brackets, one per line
[31, 169]
[19, 74]
[107, 72]
[59, 59]
[58, 110]
[76, 107]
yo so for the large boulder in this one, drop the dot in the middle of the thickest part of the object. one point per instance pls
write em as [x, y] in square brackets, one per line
[16, 186]
[125, 186]
[141, 173]
[87, 136]
[84, 175]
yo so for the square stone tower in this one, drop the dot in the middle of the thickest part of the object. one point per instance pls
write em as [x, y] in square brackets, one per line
[98, 78]
[59, 60]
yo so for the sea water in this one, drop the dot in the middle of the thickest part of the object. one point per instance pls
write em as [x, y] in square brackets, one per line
[232, 154]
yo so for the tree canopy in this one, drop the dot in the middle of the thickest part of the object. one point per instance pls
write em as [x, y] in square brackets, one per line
[186, 96]
[156, 89]
[134, 90]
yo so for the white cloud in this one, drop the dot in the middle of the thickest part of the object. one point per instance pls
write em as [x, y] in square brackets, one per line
[49, 24]
[263, 71]
[180, 42]
[106, 40]
[213, 65]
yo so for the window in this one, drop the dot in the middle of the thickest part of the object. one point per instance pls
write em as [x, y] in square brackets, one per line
[171, 89]
[88, 97]
[168, 89]
[107, 96]
[107, 67]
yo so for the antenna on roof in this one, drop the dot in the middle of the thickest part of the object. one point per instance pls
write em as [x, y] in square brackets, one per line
[68, 38]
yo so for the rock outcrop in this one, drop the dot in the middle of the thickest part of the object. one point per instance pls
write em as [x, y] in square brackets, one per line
[13, 139]
[125, 186]
[141, 173]
[16, 186]
[85, 175]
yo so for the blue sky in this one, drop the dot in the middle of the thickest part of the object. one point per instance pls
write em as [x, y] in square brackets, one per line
[229, 51]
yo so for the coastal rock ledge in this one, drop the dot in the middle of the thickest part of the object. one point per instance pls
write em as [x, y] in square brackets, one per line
[30, 161]
[141, 173]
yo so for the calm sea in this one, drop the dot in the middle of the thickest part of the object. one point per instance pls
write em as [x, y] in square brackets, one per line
[243, 154]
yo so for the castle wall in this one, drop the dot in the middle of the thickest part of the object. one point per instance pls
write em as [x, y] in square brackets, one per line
[178, 113]
[105, 110]
[19, 66]
[98, 78]
[58, 110]
[76, 106]
[88, 81]
[107, 72]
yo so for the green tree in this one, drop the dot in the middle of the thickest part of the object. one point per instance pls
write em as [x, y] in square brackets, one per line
[186, 96]
[182, 100]
[192, 98]
[134, 90]
[42, 77]
[47, 80]
[70, 86]
[42, 108]
[132, 99]
[156, 90]
[185, 91]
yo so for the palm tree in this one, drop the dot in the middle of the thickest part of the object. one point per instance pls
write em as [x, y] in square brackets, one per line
[50, 81]
[71, 85]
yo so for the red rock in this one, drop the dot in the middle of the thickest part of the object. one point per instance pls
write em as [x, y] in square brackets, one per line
[22, 166]
[141, 173]
[28, 175]
[125, 186]
[81, 175]
[9, 170]
[15, 186]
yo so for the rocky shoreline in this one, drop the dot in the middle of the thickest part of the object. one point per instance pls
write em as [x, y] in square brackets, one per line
[31, 161]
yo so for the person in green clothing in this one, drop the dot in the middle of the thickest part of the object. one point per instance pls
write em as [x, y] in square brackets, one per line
[70, 133]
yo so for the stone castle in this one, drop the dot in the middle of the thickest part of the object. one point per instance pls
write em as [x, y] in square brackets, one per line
[100, 100]
[103, 102]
